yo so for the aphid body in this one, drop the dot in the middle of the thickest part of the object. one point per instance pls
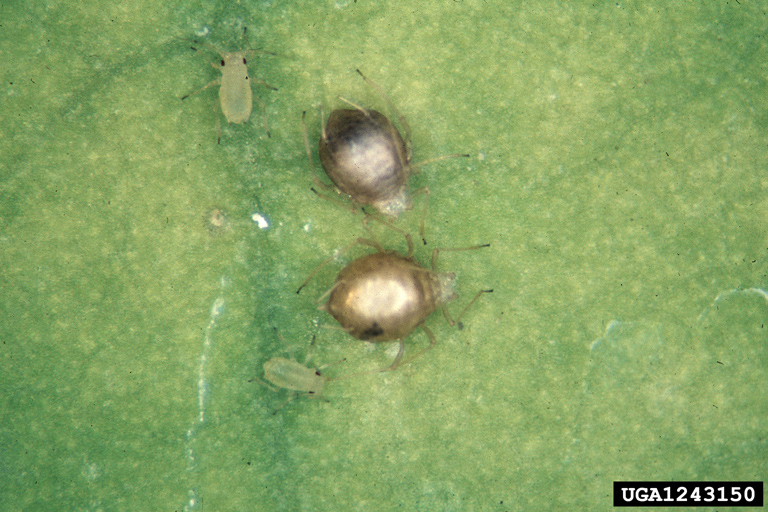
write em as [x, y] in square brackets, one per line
[281, 373]
[365, 156]
[385, 296]
[288, 374]
[235, 93]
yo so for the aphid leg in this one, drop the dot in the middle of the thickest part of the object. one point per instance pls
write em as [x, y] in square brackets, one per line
[425, 190]
[263, 115]
[262, 105]
[328, 365]
[344, 204]
[319, 368]
[423, 221]
[324, 296]
[453, 322]
[398, 360]
[259, 81]
[285, 403]
[254, 50]
[322, 307]
[446, 314]
[264, 383]
[215, 108]
[322, 124]
[370, 216]
[212, 47]
[208, 45]
[210, 84]
[318, 182]
[305, 134]
[265, 84]
[312, 274]
[362, 241]
[309, 351]
[279, 336]
[293, 396]
[218, 123]
[414, 167]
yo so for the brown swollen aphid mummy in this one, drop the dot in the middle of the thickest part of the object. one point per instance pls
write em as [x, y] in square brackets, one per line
[367, 158]
[385, 296]
[235, 93]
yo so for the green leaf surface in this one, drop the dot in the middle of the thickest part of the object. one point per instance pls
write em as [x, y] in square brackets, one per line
[617, 168]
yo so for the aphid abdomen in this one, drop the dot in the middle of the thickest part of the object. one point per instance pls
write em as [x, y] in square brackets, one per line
[381, 308]
[385, 296]
[235, 94]
[287, 374]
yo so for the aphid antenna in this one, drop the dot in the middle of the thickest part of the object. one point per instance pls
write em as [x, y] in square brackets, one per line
[264, 383]
[356, 106]
[453, 322]
[437, 159]
[400, 117]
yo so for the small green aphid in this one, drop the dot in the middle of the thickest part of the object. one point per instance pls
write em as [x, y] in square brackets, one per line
[235, 93]
[281, 373]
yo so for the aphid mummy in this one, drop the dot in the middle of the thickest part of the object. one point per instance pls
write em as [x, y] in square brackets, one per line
[385, 296]
[366, 157]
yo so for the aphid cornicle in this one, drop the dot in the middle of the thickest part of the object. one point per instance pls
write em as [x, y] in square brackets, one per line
[366, 157]
[385, 296]
[235, 93]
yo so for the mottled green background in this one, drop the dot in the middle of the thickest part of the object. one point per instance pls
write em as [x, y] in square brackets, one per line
[618, 167]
